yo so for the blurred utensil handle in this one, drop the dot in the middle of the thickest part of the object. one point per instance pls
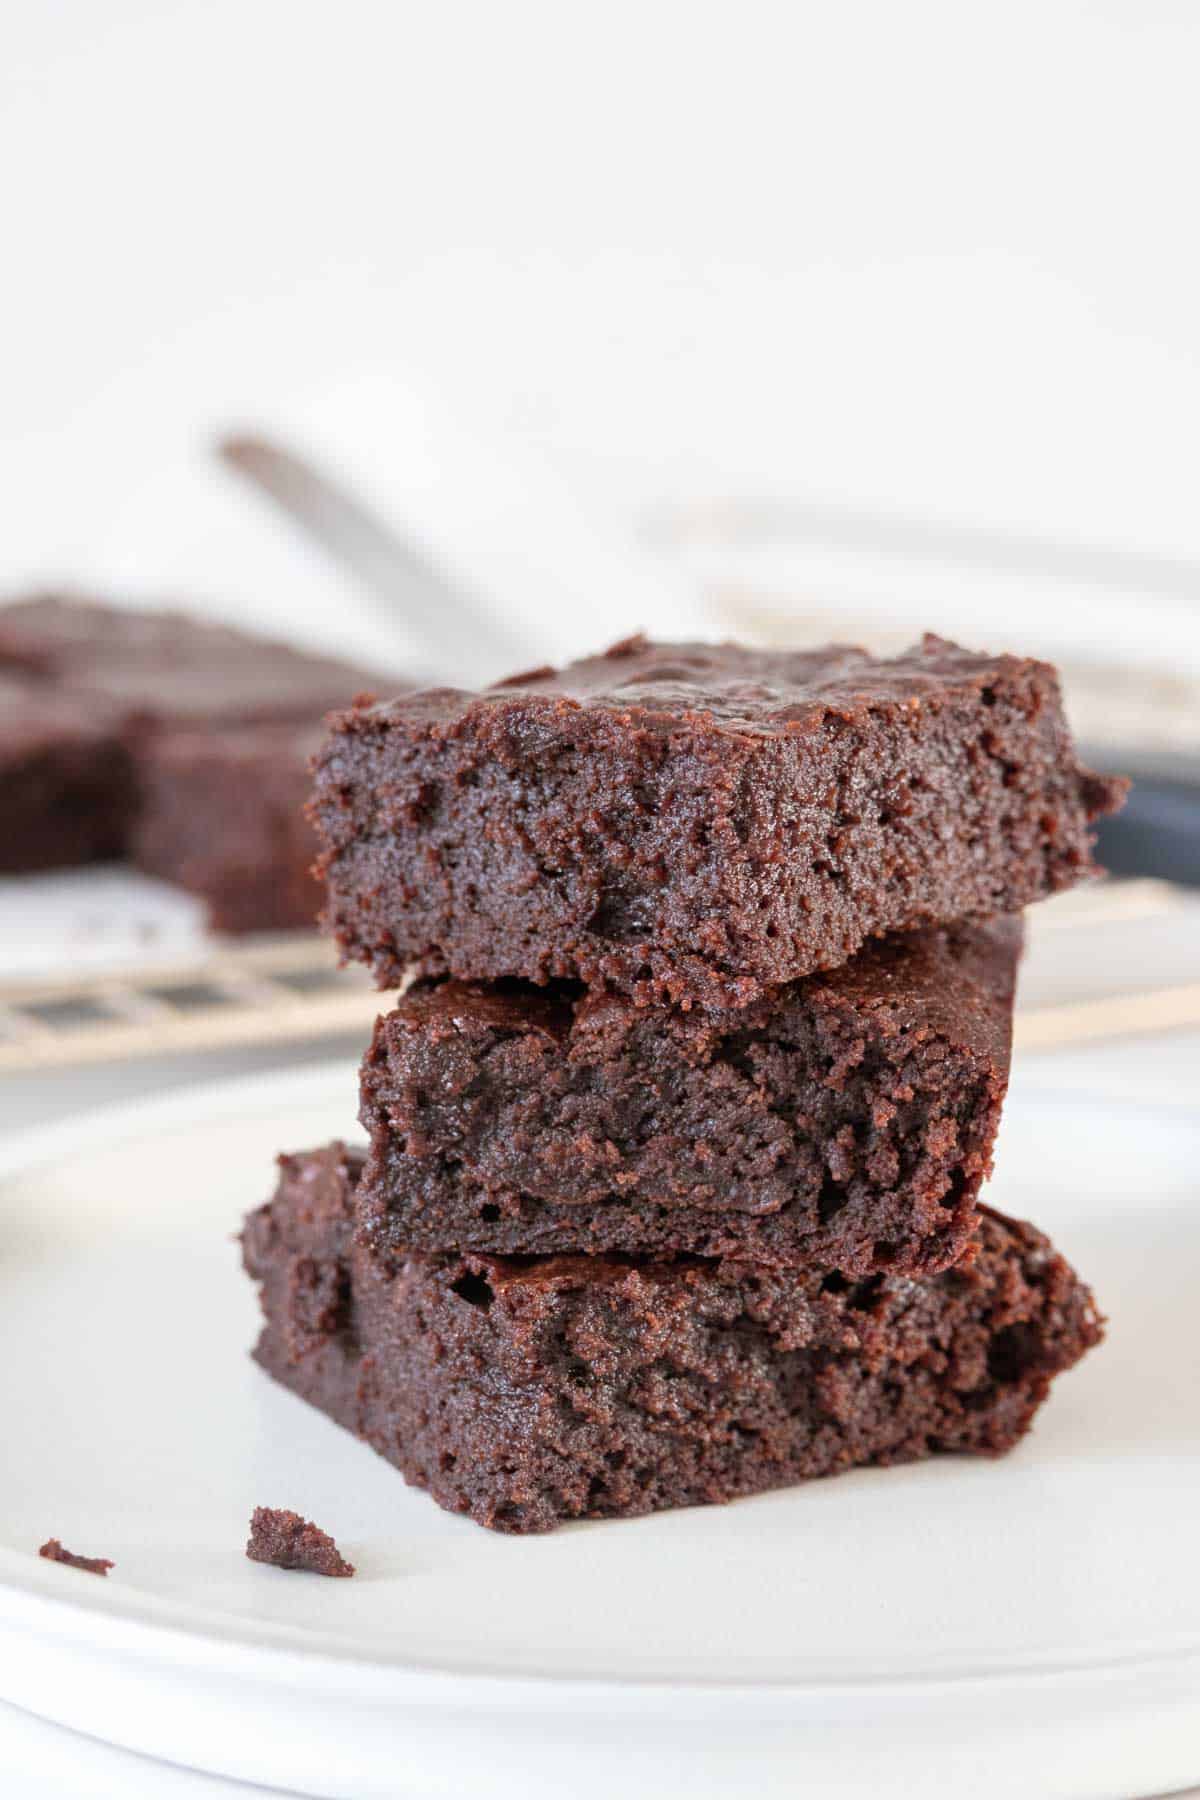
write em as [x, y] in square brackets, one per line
[405, 584]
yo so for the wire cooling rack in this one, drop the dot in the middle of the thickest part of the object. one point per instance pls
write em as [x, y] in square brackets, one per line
[288, 989]
[281, 989]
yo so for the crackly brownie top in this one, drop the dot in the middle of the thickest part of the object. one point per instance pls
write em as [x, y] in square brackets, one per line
[51, 635]
[730, 687]
[315, 1206]
[34, 717]
[480, 1276]
[955, 981]
[165, 665]
[319, 1187]
[292, 743]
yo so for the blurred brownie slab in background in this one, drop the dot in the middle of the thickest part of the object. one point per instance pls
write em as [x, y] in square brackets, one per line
[199, 737]
[155, 670]
[221, 813]
[66, 783]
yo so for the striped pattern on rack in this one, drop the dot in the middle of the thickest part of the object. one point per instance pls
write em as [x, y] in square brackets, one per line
[287, 989]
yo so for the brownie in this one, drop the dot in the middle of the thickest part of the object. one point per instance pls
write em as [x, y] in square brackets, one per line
[695, 823]
[179, 744]
[66, 783]
[287, 1541]
[528, 1391]
[222, 815]
[157, 669]
[53, 1551]
[845, 1120]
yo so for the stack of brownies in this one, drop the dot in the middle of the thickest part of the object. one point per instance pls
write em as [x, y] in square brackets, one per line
[676, 1139]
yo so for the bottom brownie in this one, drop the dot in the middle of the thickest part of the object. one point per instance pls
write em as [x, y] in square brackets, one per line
[529, 1391]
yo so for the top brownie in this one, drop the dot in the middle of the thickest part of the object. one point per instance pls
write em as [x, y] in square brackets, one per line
[162, 669]
[696, 823]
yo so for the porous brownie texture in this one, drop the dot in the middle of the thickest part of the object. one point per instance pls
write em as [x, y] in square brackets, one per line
[694, 823]
[527, 1392]
[222, 815]
[845, 1120]
[287, 1541]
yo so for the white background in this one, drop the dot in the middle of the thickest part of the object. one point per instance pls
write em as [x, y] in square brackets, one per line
[934, 261]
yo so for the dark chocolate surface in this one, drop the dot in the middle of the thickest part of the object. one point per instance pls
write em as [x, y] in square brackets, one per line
[165, 668]
[846, 1120]
[181, 744]
[222, 815]
[287, 1541]
[526, 1392]
[67, 791]
[696, 823]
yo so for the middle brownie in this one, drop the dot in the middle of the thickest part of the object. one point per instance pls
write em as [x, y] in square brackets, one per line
[845, 1121]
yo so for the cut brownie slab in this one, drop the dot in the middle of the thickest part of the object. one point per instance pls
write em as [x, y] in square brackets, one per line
[154, 670]
[846, 1120]
[66, 785]
[525, 1392]
[180, 743]
[690, 822]
[222, 815]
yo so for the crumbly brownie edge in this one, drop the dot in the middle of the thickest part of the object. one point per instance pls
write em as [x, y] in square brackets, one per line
[286, 1540]
[847, 1123]
[221, 815]
[54, 1551]
[522, 834]
[526, 1393]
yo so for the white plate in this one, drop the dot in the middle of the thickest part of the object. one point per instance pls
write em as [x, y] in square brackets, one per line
[95, 921]
[959, 1626]
[44, 1761]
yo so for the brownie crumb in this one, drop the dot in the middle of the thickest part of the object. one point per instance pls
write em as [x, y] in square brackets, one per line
[287, 1541]
[53, 1551]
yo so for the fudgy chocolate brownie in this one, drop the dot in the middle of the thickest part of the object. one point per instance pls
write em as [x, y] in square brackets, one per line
[846, 1120]
[179, 743]
[158, 669]
[525, 1392]
[690, 822]
[222, 814]
[287, 1541]
[66, 784]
